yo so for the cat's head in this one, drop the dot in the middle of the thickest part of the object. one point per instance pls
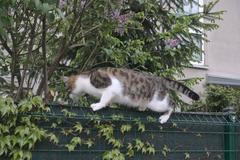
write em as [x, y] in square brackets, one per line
[69, 83]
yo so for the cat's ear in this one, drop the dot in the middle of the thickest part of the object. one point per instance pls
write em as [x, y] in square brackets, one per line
[64, 79]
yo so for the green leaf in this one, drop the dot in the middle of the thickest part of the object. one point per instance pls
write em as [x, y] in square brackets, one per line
[4, 110]
[151, 119]
[141, 126]
[187, 156]
[52, 137]
[138, 144]
[130, 151]
[70, 147]
[125, 128]
[115, 142]
[76, 140]
[54, 125]
[89, 143]
[114, 154]
[78, 127]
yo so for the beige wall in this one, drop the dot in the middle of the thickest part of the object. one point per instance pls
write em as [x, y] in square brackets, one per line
[222, 53]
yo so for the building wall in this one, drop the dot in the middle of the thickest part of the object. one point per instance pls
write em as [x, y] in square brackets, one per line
[222, 53]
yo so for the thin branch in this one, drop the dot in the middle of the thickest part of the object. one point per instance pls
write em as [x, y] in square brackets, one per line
[30, 47]
[6, 47]
[60, 54]
[45, 75]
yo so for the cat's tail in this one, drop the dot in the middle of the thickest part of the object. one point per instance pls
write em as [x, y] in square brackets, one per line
[175, 85]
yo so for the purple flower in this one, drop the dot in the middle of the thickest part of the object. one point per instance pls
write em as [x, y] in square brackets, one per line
[114, 14]
[122, 20]
[172, 42]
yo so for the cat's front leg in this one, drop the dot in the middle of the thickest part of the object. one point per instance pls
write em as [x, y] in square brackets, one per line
[164, 118]
[106, 98]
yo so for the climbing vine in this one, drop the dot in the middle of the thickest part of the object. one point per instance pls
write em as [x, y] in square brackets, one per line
[20, 131]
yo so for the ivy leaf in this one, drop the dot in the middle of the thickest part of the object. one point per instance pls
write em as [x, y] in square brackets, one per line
[187, 156]
[115, 142]
[165, 150]
[89, 143]
[21, 142]
[66, 132]
[144, 150]
[27, 155]
[141, 126]
[4, 109]
[53, 138]
[150, 148]
[78, 127]
[130, 151]
[125, 128]
[164, 153]
[68, 113]
[138, 144]
[54, 125]
[4, 129]
[174, 125]
[76, 140]
[151, 119]
[70, 147]
[114, 154]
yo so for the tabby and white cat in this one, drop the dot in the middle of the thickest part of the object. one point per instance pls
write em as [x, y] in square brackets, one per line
[127, 87]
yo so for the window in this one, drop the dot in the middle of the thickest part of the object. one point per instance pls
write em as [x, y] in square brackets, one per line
[191, 9]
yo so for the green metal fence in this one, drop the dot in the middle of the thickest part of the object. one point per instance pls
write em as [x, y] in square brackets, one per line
[195, 136]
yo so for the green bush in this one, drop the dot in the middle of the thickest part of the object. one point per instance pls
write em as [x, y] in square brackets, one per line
[219, 97]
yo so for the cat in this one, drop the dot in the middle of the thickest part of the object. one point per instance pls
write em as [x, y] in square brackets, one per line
[127, 87]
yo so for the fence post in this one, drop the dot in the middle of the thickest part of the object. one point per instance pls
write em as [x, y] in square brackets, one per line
[230, 136]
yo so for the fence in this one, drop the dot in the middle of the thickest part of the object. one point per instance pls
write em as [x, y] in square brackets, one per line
[138, 135]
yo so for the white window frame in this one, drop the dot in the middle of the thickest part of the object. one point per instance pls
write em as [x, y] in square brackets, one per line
[202, 62]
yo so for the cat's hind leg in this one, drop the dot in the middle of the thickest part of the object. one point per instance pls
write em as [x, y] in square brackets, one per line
[106, 98]
[164, 118]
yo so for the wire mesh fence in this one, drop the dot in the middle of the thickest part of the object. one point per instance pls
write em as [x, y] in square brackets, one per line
[197, 136]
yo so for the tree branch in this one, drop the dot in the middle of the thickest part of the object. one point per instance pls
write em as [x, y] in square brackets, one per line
[45, 75]
[30, 48]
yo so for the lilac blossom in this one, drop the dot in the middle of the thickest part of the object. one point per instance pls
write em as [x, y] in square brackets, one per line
[172, 42]
[114, 14]
[121, 20]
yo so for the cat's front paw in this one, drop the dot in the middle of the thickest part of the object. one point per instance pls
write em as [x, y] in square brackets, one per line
[163, 119]
[96, 106]
[142, 109]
